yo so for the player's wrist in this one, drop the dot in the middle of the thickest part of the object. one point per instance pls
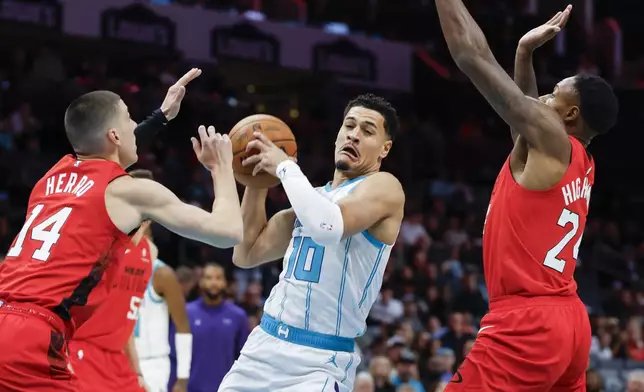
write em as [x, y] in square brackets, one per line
[284, 167]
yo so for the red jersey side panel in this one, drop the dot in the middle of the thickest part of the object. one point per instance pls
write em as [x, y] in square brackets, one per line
[67, 242]
[112, 323]
[531, 238]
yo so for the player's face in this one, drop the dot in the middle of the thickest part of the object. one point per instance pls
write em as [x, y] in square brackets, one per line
[213, 282]
[124, 130]
[564, 100]
[362, 142]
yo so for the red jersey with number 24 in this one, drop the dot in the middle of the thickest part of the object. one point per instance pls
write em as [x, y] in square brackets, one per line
[68, 245]
[113, 322]
[531, 238]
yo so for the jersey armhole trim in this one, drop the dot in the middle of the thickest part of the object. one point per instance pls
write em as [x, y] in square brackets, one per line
[154, 296]
[372, 240]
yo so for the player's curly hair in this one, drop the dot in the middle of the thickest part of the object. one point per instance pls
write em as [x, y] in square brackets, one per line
[597, 103]
[380, 105]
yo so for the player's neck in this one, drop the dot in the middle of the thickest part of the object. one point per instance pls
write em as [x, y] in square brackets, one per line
[340, 177]
[97, 157]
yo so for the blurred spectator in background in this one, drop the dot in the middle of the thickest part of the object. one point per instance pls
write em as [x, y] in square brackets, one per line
[407, 372]
[381, 371]
[635, 381]
[364, 383]
[219, 330]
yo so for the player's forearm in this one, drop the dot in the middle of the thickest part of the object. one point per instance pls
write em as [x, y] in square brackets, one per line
[321, 217]
[253, 211]
[464, 37]
[132, 355]
[524, 75]
[148, 129]
[226, 223]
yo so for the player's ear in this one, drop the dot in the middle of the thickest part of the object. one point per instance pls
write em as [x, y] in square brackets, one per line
[385, 149]
[113, 135]
[572, 113]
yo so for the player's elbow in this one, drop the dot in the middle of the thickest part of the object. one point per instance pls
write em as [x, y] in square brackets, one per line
[240, 258]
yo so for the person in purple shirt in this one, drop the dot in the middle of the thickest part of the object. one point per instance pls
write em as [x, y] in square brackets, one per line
[219, 331]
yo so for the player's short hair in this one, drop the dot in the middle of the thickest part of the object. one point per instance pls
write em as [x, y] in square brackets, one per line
[597, 103]
[142, 173]
[380, 105]
[88, 117]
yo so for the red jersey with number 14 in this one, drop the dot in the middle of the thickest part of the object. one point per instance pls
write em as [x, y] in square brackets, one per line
[68, 242]
[112, 324]
[531, 238]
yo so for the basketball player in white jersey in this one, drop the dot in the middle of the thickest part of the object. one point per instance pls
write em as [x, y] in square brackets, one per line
[163, 295]
[335, 242]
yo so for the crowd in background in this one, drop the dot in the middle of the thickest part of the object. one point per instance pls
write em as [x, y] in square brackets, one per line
[433, 293]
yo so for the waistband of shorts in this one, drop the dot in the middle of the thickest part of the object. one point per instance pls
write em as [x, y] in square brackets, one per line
[518, 301]
[27, 309]
[303, 337]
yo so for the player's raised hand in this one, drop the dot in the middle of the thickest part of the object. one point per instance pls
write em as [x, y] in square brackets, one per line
[544, 33]
[172, 102]
[269, 155]
[213, 149]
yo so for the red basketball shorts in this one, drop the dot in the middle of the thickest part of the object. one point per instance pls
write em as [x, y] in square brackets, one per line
[528, 345]
[33, 351]
[99, 370]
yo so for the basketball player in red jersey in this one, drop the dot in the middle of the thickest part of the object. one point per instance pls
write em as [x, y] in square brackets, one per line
[102, 351]
[536, 337]
[64, 261]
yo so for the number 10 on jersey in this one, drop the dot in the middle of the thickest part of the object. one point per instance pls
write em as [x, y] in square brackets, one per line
[305, 261]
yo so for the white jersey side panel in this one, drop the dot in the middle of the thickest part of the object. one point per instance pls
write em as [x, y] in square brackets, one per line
[329, 289]
[152, 327]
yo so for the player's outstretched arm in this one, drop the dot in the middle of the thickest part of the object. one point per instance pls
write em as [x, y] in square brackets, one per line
[524, 75]
[167, 285]
[130, 201]
[264, 240]
[133, 200]
[533, 120]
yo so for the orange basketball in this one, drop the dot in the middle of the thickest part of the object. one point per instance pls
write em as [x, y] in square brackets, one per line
[242, 133]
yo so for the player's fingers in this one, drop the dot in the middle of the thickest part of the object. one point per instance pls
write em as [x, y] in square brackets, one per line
[203, 135]
[195, 145]
[252, 160]
[188, 77]
[256, 144]
[258, 168]
[211, 131]
[565, 17]
[554, 18]
[263, 138]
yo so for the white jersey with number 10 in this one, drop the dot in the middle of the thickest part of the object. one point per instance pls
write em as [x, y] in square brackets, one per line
[329, 289]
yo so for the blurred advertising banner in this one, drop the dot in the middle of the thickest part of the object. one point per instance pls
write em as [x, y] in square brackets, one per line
[203, 35]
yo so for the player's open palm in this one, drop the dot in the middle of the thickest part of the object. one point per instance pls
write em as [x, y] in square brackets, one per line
[213, 149]
[544, 33]
[172, 102]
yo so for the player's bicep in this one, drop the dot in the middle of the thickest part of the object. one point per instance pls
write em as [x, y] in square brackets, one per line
[173, 295]
[376, 199]
[530, 118]
[273, 241]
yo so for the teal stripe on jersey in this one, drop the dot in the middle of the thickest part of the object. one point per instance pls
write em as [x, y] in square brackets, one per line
[371, 276]
[308, 306]
[343, 281]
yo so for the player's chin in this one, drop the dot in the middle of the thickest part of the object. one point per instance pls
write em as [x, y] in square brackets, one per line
[343, 163]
